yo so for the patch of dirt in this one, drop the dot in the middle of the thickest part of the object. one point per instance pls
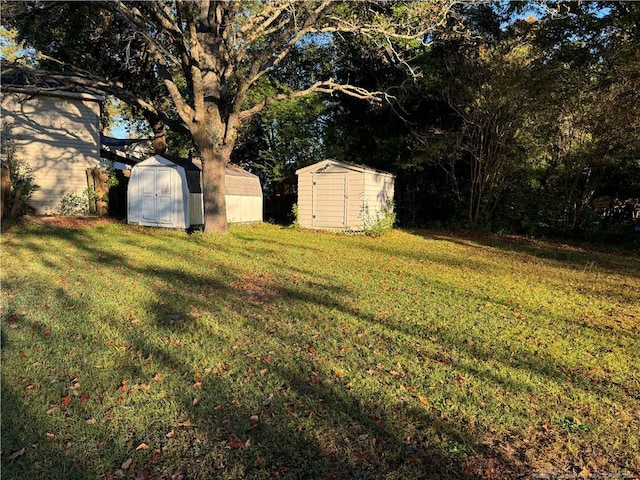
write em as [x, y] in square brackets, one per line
[257, 290]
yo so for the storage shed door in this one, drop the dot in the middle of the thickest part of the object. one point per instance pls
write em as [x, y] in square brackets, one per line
[329, 200]
[157, 200]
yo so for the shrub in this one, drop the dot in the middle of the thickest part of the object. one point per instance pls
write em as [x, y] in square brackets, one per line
[21, 175]
[72, 203]
[380, 222]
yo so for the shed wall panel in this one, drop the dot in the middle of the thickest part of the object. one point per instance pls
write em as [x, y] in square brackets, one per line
[329, 200]
[355, 200]
[305, 200]
[243, 209]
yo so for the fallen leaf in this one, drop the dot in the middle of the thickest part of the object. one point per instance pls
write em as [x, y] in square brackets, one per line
[195, 402]
[142, 446]
[52, 409]
[66, 401]
[424, 400]
[235, 445]
[340, 373]
[585, 473]
[267, 401]
[84, 398]
[91, 421]
[157, 377]
[17, 454]
[126, 464]
[197, 384]
[50, 435]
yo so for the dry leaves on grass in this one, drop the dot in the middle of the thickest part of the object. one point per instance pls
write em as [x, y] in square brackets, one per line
[258, 290]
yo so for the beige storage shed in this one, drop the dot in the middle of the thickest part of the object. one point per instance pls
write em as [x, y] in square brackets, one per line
[334, 195]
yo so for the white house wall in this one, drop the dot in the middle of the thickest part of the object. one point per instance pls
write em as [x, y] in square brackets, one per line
[58, 137]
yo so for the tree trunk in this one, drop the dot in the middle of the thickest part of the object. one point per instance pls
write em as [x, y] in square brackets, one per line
[214, 162]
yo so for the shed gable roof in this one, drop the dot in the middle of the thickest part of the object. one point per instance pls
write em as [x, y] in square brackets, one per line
[192, 172]
[238, 180]
[329, 163]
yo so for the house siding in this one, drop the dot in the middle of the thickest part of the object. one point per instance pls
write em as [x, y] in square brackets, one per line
[58, 137]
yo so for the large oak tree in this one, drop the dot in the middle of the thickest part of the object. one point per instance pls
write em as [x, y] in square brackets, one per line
[197, 67]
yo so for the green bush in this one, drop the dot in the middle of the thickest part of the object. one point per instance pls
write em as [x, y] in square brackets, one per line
[380, 222]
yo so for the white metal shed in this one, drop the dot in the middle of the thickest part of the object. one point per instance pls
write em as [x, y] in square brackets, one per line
[167, 192]
[243, 196]
[334, 195]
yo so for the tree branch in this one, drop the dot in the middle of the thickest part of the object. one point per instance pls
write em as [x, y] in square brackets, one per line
[46, 81]
[135, 17]
[327, 86]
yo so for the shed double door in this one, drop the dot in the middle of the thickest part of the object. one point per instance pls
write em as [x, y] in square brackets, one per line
[157, 198]
[329, 195]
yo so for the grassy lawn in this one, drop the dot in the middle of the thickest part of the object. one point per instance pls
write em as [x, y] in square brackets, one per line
[147, 353]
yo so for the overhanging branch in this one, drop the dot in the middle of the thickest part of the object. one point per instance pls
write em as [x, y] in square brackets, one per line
[327, 86]
[82, 80]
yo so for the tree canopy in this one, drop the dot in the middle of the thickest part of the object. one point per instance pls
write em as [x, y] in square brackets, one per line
[202, 68]
[516, 116]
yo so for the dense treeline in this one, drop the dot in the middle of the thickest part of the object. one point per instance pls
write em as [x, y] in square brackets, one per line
[524, 120]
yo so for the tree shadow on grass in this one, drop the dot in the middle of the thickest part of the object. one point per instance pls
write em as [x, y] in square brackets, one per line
[309, 428]
[218, 330]
[564, 254]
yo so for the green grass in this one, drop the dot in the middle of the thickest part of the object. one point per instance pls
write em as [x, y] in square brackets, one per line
[286, 353]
